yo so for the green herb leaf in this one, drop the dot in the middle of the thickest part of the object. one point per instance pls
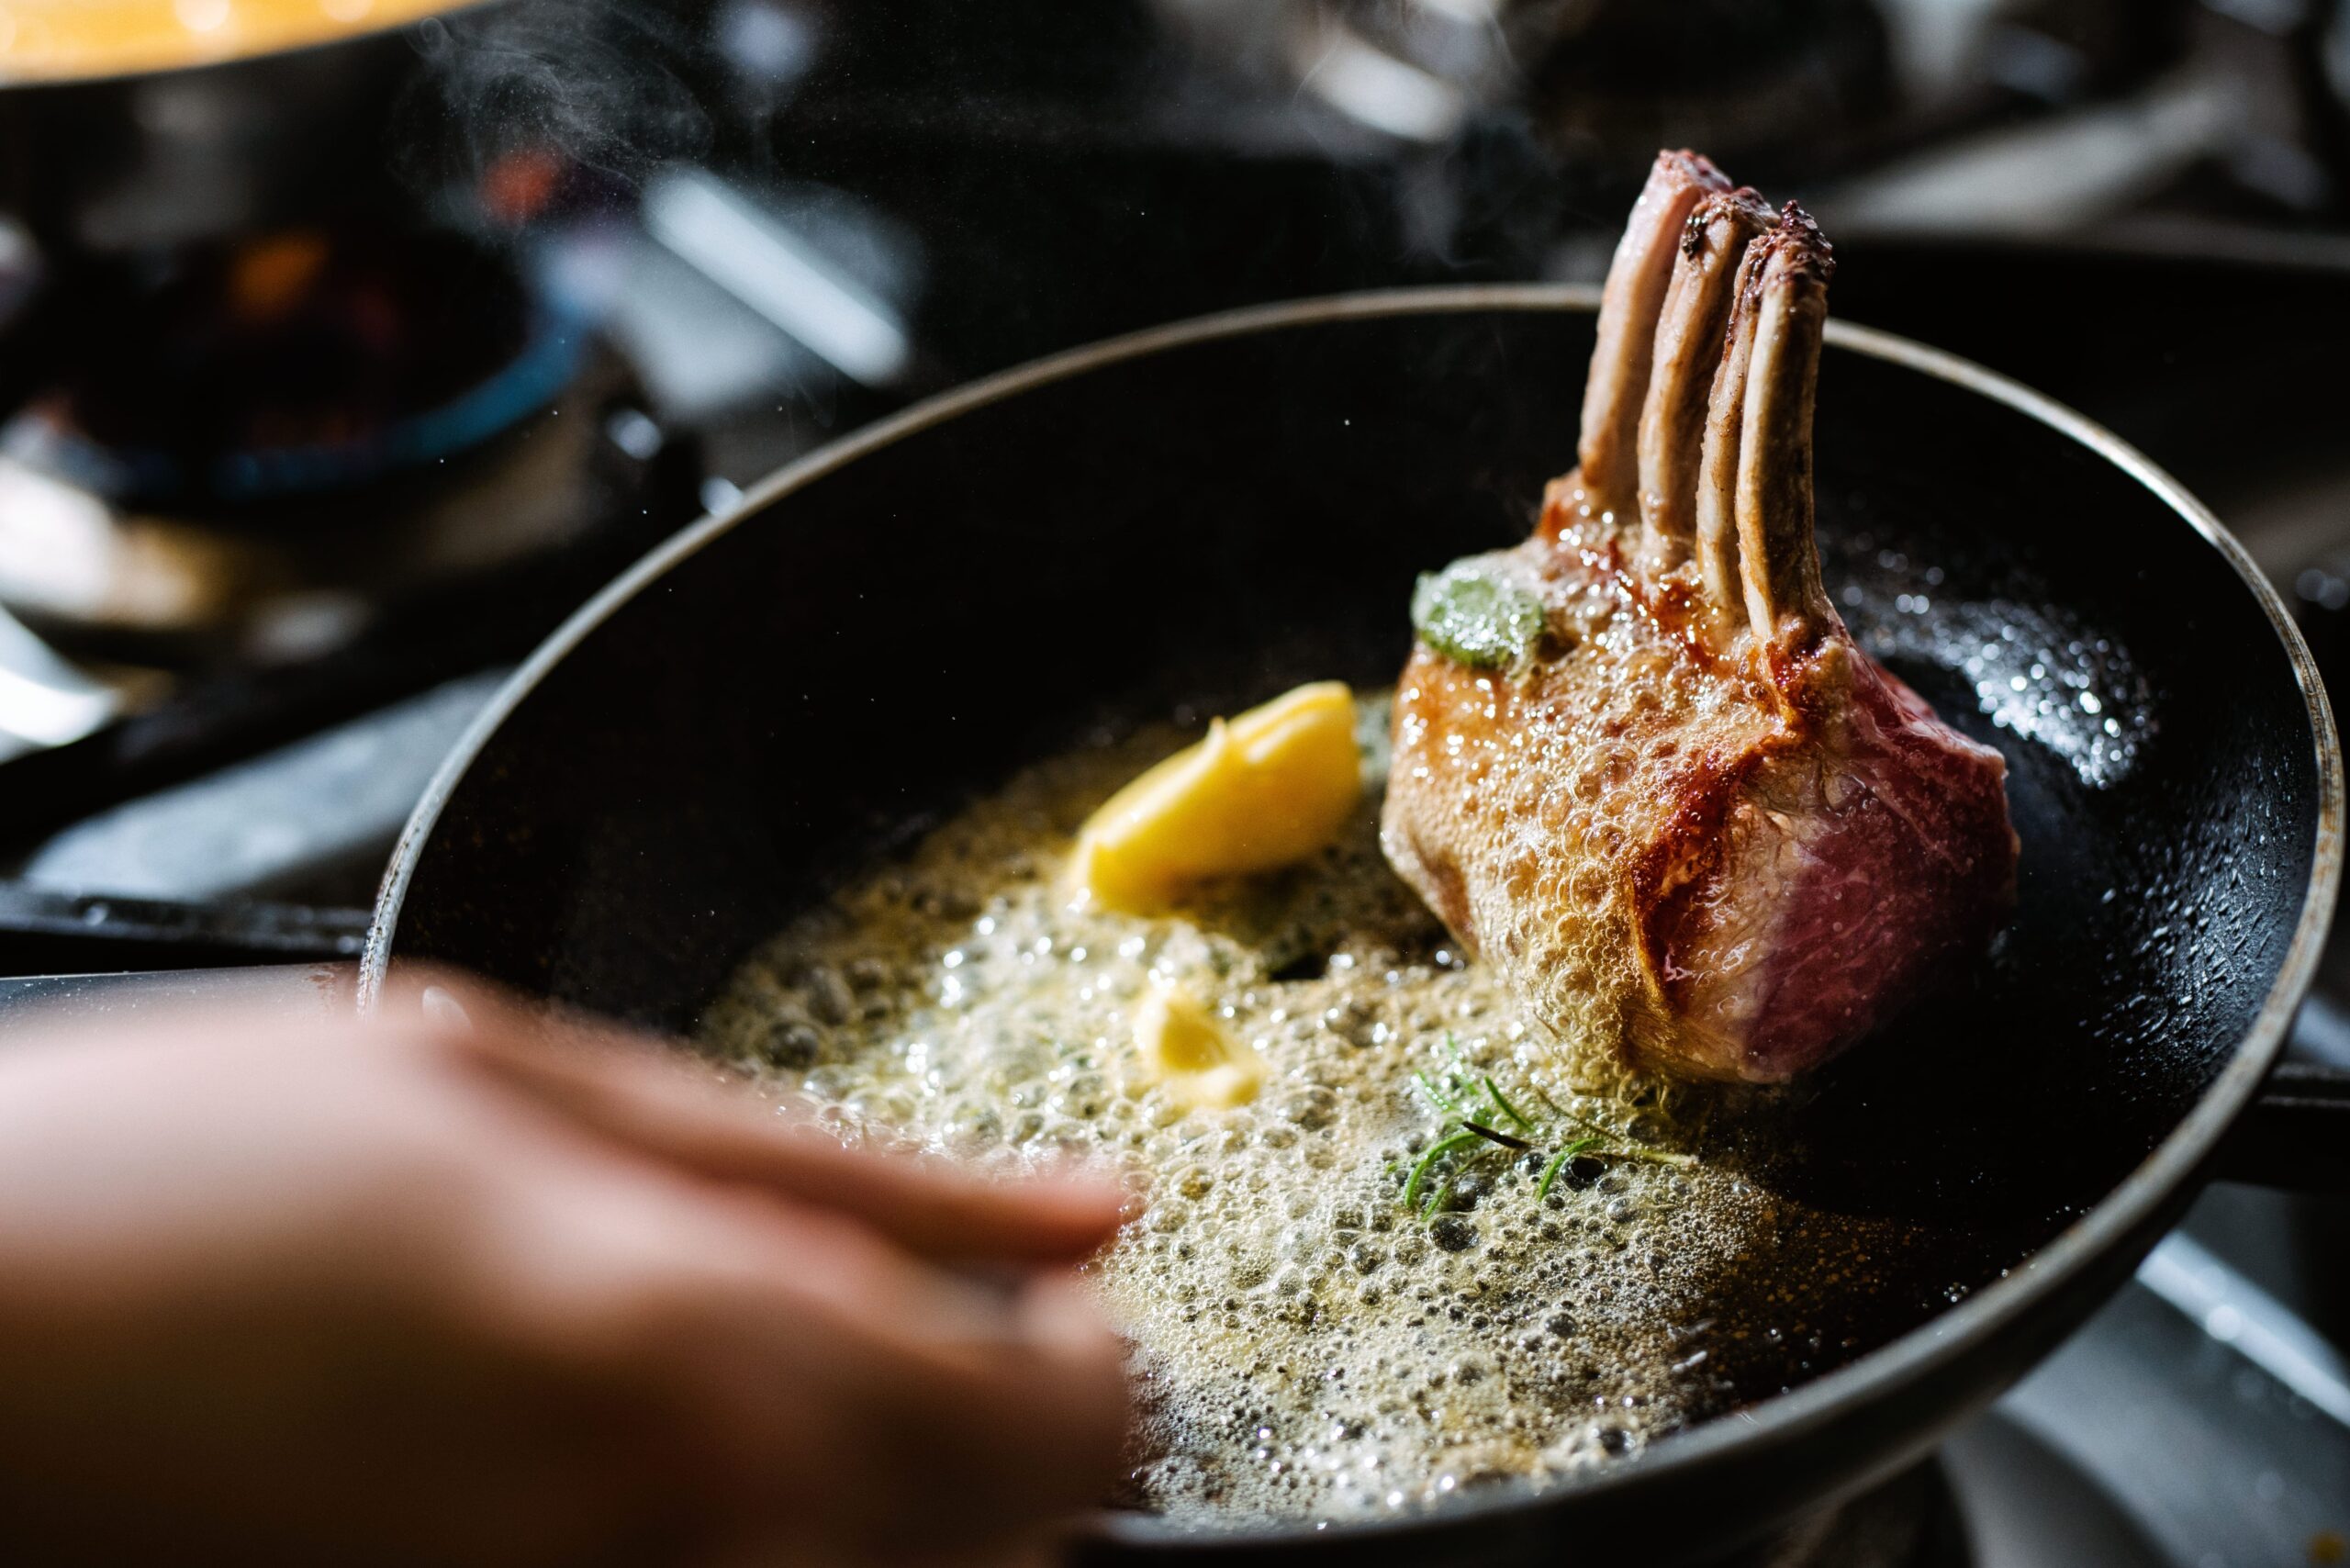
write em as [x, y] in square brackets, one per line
[1440, 1201]
[1436, 1097]
[1463, 1142]
[1558, 1163]
[1436, 1151]
[1469, 613]
[1512, 1112]
[1651, 1156]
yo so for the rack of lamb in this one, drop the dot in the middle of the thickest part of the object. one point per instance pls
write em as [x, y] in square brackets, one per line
[1640, 763]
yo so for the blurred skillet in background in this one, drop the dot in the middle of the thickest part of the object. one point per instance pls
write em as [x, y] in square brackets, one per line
[131, 124]
[1223, 509]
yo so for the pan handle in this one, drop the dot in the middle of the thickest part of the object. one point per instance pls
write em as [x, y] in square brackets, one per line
[324, 987]
[2297, 1134]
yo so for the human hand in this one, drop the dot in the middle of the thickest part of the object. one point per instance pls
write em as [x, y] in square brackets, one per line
[414, 1289]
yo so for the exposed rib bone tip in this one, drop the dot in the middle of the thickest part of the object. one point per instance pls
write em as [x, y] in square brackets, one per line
[1634, 295]
[1797, 234]
[1688, 346]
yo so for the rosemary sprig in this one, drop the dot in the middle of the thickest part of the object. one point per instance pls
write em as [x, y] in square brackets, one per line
[1443, 1199]
[1436, 1097]
[1494, 1135]
[1501, 1101]
[1558, 1162]
[1436, 1151]
[1464, 1141]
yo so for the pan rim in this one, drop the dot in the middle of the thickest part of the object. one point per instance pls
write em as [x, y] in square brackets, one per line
[1915, 1355]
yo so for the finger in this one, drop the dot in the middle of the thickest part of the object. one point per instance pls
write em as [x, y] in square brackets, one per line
[1085, 1363]
[1014, 1438]
[634, 1093]
[1005, 1410]
[835, 1375]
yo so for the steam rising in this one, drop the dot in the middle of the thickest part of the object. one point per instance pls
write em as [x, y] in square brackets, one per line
[602, 86]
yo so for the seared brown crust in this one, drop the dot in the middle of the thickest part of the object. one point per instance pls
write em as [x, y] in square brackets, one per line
[1628, 828]
[1543, 816]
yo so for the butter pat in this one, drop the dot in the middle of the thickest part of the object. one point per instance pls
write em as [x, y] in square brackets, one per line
[1264, 790]
[1186, 1049]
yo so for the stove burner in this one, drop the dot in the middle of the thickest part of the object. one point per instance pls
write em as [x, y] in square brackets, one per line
[257, 454]
[293, 366]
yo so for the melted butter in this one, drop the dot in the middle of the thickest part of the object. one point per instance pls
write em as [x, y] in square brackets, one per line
[1306, 1347]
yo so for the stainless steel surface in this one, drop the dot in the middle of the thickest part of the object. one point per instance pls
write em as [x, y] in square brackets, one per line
[2213, 1463]
[305, 811]
[2234, 1311]
[2024, 1506]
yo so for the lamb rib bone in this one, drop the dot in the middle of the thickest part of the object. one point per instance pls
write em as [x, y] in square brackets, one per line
[1637, 280]
[1681, 376]
[1758, 453]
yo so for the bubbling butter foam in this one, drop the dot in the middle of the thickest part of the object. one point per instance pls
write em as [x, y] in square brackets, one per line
[1306, 1347]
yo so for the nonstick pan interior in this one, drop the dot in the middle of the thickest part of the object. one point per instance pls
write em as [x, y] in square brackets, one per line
[1229, 513]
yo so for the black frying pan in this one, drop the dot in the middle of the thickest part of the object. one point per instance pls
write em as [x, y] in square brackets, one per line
[1223, 509]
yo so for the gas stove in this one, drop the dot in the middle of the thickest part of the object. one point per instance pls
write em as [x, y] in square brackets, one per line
[2196, 1422]
[235, 637]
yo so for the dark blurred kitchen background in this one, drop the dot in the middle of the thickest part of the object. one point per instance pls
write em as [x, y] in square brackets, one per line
[334, 378]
